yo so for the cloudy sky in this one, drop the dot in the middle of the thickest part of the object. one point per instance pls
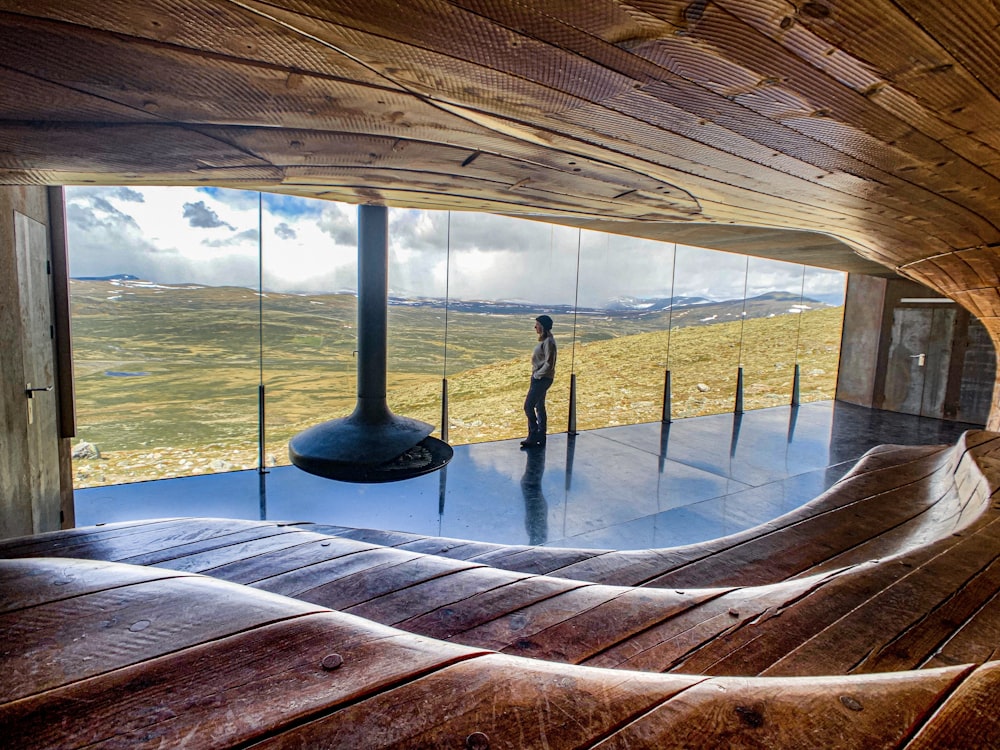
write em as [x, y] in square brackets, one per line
[214, 236]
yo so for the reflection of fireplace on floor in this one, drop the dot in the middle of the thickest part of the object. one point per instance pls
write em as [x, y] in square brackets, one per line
[372, 444]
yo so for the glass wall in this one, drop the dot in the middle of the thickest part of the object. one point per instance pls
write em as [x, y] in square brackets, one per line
[418, 312]
[503, 273]
[817, 342]
[196, 312]
[308, 316]
[771, 326]
[624, 313]
[164, 332]
[704, 351]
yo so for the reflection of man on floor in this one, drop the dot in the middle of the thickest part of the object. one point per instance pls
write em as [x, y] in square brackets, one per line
[536, 509]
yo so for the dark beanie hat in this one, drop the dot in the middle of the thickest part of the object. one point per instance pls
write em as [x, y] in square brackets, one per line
[545, 321]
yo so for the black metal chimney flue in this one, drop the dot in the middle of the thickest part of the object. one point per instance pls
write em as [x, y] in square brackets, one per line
[372, 444]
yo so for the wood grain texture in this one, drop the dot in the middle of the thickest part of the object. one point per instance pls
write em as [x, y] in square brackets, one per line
[817, 591]
[857, 135]
[837, 649]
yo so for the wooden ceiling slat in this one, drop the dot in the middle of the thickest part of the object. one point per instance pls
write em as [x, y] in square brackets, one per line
[872, 121]
[192, 87]
[36, 95]
[872, 127]
[325, 148]
[135, 147]
[205, 26]
[729, 170]
[427, 58]
[878, 34]
[777, 18]
[967, 31]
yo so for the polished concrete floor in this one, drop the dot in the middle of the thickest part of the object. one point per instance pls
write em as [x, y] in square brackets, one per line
[633, 487]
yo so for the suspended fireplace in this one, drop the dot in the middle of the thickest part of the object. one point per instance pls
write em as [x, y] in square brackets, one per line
[372, 444]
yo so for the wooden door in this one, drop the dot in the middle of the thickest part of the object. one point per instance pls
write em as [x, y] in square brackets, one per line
[34, 269]
[916, 380]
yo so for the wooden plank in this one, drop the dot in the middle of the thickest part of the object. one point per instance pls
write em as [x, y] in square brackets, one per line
[968, 717]
[874, 474]
[578, 638]
[31, 582]
[752, 650]
[204, 26]
[129, 541]
[444, 591]
[628, 568]
[436, 545]
[844, 645]
[494, 554]
[539, 560]
[667, 647]
[974, 641]
[450, 622]
[62, 103]
[180, 557]
[346, 591]
[915, 645]
[314, 576]
[283, 561]
[229, 691]
[755, 643]
[73, 639]
[471, 550]
[793, 548]
[871, 712]
[380, 537]
[507, 628]
[604, 125]
[208, 561]
[54, 543]
[504, 701]
[547, 62]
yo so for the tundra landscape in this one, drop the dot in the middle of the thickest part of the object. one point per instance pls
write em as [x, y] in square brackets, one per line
[167, 376]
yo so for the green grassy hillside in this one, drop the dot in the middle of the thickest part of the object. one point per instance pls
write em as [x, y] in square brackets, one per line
[167, 379]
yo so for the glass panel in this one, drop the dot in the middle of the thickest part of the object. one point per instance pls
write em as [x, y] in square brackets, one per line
[625, 287]
[503, 273]
[164, 330]
[818, 340]
[704, 344]
[309, 310]
[418, 291]
[774, 297]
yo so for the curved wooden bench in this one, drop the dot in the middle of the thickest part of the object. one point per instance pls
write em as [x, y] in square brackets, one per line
[106, 655]
[896, 568]
[897, 498]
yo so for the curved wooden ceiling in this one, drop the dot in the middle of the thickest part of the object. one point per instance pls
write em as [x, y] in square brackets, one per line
[871, 127]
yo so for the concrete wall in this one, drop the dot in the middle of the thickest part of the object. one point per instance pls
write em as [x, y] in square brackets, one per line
[861, 339]
[956, 380]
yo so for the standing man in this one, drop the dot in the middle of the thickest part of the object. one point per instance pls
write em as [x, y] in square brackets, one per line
[543, 371]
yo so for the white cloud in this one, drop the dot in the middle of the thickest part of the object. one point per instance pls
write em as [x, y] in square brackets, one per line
[213, 236]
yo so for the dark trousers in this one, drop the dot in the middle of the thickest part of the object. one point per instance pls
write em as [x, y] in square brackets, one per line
[534, 408]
